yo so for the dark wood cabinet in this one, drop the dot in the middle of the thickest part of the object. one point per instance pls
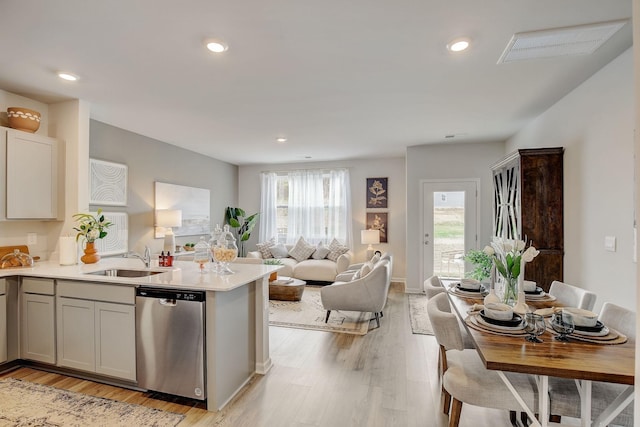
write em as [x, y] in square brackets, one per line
[528, 205]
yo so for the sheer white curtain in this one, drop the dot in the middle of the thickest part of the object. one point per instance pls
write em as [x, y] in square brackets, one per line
[318, 205]
[268, 206]
[306, 206]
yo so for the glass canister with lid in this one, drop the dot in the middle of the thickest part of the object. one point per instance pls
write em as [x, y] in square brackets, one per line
[225, 251]
[202, 254]
[16, 259]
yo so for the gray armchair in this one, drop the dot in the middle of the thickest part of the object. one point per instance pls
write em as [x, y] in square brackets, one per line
[366, 294]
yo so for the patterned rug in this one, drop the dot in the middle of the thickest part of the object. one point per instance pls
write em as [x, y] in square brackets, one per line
[420, 323]
[309, 314]
[27, 404]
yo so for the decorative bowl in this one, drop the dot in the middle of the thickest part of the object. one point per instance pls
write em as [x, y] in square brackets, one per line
[498, 311]
[23, 119]
[582, 317]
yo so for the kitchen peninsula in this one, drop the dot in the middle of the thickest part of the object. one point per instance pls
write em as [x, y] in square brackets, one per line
[236, 319]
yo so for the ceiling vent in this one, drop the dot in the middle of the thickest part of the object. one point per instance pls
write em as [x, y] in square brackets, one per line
[579, 40]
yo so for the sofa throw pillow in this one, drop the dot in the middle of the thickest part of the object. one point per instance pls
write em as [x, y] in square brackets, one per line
[321, 252]
[336, 249]
[302, 250]
[265, 249]
[279, 251]
[375, 259]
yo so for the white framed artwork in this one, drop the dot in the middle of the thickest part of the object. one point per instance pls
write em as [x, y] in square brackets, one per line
[107, 183]
[194, 204]
[117, 239]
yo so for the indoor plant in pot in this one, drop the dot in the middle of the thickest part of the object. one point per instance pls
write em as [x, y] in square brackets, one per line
[91, 228]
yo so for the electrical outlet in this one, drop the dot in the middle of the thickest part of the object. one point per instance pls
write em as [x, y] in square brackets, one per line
[610, 243]
[32, 238]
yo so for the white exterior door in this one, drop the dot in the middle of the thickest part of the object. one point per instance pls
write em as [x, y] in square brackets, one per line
[449, 226]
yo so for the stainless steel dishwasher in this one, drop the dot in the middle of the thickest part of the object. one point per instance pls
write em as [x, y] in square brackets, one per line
[170, 338]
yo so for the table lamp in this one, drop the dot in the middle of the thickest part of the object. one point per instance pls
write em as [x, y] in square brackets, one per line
[370, 237]
[168, 218]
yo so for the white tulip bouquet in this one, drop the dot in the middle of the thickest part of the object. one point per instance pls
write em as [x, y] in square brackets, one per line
[509, 258]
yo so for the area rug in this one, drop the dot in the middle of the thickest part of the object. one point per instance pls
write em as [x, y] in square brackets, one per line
[28, 404]
[309, 314]
[420, 323]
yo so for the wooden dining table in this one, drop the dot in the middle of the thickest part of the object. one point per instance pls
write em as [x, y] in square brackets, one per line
[581, 361]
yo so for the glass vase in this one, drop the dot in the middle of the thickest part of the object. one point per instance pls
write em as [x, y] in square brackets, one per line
[510, 290]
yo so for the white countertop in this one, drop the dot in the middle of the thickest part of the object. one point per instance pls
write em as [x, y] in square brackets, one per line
[183, 274]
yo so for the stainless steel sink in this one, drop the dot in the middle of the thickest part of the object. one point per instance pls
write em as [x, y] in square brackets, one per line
[123, 272]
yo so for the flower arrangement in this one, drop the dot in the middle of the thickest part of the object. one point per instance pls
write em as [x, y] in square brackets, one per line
[91, 227]
[509, 258]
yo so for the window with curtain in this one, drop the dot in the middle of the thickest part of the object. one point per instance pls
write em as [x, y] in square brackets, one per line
[315, 204]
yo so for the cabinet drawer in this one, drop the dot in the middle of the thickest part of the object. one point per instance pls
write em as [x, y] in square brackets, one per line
[33, 285]
[97, 291]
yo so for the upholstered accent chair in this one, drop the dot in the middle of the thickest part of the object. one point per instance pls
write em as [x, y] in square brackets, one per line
[465, 379]
[367, 293]
[433, 286]
[563, 393]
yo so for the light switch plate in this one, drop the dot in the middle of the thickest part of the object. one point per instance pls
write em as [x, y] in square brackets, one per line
[610, 243]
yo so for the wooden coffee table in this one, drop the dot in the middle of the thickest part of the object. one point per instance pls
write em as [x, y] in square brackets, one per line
[286, 289]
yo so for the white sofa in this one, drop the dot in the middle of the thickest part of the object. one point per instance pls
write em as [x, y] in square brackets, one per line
[311, 270]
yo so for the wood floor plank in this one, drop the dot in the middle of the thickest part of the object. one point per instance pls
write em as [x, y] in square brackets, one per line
[386, 378]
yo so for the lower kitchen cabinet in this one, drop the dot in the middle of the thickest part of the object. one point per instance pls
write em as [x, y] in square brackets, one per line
[38, 320]
[96, 336]
[3, 328]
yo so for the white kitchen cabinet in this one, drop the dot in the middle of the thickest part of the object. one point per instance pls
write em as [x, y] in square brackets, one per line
[34, 169]
[37, 331]
[3, 321]
[96, 328]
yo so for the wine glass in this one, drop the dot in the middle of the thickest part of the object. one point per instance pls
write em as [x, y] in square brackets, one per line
[534, 325]
[562, 323]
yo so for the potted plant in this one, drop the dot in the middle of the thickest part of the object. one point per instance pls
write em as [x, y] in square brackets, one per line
[242, 225]
[91, 228]
[272, 261]
[482, 263]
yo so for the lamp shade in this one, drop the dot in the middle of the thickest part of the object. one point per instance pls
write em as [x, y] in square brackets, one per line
[370, 237]
[168, 218]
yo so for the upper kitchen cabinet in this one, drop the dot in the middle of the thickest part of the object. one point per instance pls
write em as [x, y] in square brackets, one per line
[34, 169]
[528, 204]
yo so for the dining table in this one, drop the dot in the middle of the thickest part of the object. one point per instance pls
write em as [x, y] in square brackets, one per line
[581, 360]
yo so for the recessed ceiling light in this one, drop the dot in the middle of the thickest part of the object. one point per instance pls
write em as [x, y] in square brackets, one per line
[281, 140]
[216, 46]
[458, 45]
[67, 76]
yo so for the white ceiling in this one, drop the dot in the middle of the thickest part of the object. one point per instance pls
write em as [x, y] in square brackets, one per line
[341, 79]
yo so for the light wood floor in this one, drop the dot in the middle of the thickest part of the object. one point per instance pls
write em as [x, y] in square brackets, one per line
[385, 378]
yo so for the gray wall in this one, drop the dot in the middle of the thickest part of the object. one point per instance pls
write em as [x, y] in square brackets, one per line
[442, 162]
[359, 171]
[150, 160]
[595, 125]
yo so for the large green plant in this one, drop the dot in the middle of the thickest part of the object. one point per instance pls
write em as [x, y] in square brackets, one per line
[242, 225]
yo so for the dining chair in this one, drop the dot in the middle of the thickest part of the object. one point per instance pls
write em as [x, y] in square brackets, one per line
[572, 296]
[465, 379]
[563, 393]
[433, 286]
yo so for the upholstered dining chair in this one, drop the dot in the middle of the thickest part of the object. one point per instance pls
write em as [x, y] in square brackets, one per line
[572, 296]
[465, 379]
[563, 393]
[433, 286]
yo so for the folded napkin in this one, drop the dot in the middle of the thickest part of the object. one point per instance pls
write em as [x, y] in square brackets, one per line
[476, 308]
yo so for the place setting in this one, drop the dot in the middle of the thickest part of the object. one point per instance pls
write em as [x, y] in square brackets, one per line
[583, 325]
[533, 292]
[467, 288]
[497, 318]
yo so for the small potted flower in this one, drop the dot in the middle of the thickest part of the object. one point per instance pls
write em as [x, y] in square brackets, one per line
[91, 228]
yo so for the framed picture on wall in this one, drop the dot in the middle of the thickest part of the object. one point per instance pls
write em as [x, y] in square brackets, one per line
[107, 183]
[377, 192]
[378, 221]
